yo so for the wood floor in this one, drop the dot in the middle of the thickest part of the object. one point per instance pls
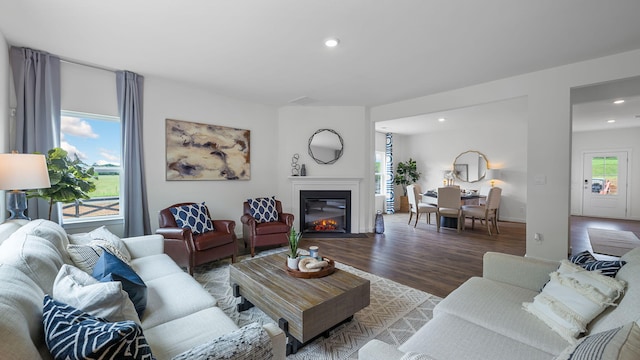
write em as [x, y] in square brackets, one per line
[439, 262]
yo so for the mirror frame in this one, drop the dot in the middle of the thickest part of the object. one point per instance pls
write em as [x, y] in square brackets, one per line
[486, 166]
[338, 153]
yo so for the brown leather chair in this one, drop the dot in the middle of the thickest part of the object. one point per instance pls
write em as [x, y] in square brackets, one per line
[265, 234]
[188, 249]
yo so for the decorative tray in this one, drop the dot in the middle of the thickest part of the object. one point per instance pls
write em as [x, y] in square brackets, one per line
[327, 270]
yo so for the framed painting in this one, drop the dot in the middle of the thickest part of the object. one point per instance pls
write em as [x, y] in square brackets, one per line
[206, 152]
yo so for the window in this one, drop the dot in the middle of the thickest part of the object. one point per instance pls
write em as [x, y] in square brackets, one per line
[380, 173]
[604, 175]
[96, 140]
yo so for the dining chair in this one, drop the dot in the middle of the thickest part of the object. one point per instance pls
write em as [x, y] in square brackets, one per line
[487, 212]
[449, 206]
[417, 207]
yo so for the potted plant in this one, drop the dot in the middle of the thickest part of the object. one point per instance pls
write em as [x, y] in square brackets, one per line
[292, 257]
[406, 174]
[70, 179]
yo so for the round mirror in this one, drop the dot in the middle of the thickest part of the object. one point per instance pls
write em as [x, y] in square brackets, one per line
[470, 166]
[325, 146]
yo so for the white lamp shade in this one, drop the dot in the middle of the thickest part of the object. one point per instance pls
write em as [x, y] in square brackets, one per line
[23, 172]
[493, 174]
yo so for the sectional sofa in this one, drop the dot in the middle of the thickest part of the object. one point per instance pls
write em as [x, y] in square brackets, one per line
[485, 318]
[180, 315]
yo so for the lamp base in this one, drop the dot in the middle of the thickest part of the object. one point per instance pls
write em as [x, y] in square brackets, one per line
[17, 204]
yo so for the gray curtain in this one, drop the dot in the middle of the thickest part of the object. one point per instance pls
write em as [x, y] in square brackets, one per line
[136, 210]
[391, 197]
[36, 77]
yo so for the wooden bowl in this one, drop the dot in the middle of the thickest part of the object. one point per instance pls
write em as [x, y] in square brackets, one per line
[327, 270]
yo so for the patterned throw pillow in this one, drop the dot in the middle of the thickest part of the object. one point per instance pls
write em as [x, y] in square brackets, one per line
[621, 343]
[192, 217]
[588, 262]
[263, 209]
[247, 343]
[86, 256]
[73, 334]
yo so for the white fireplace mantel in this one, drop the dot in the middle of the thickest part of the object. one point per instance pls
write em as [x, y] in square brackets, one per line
[301, 183]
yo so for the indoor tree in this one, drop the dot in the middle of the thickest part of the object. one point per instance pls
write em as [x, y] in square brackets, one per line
[70, 179]
[406, 174]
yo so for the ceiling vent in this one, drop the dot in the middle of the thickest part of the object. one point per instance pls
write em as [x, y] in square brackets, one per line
[302, 100]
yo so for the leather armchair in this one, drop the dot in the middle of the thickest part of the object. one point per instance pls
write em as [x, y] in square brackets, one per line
[265, 234]
[189, 250]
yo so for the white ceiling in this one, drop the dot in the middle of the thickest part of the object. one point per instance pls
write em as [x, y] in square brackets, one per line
[271, 51]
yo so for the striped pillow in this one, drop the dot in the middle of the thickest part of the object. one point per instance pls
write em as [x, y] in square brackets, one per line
[589, 262]
[74, 334]
[622, 343]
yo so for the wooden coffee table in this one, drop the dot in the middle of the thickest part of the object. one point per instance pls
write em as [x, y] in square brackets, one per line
[304, 308]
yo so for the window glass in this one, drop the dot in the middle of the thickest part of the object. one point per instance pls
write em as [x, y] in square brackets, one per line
[95, 139]
[604, 175]
[380, 173]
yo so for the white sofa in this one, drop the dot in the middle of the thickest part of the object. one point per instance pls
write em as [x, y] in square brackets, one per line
[484, 318]
[179, 315]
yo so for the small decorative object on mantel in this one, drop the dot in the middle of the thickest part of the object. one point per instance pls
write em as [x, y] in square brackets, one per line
[292, 257]
[303, 170]
[295, 168]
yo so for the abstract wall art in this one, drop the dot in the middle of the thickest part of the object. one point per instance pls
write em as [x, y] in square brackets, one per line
[206, 152]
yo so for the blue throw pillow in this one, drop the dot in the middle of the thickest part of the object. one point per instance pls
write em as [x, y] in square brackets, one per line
[192, 217]
[110, 268]
[73, 334]
[263, 209]
[588, 262]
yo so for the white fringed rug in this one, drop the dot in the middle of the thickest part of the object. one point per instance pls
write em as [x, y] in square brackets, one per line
[612, 242]
[395, 313]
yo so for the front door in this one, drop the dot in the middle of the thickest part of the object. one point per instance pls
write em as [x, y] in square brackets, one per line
[604, 191]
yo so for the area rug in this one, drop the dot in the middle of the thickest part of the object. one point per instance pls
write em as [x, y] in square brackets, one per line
[612, 242]
[395, 313]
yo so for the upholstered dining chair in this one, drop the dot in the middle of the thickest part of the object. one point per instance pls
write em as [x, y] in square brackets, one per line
[196, 241]
[265, 229]
[487, 212]
[417, 207]
[449, 206]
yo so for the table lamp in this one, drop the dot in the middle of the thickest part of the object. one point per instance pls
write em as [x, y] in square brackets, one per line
[19, 172]
[493, 175]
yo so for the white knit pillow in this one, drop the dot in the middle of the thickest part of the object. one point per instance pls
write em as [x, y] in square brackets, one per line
[572, 298]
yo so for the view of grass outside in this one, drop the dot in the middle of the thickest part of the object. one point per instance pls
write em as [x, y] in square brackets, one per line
[106, 186]
[604, 175]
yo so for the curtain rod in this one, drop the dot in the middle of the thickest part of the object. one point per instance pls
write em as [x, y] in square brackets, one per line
[75, 62]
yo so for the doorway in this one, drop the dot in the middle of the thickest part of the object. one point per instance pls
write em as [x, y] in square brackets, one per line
[604, 192]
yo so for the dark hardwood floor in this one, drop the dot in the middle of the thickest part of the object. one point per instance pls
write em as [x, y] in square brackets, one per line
[436, 262]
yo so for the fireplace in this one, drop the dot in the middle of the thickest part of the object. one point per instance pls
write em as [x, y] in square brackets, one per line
[326, 211]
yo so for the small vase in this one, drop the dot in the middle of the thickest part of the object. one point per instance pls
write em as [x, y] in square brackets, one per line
[292, 263]
[303, 170]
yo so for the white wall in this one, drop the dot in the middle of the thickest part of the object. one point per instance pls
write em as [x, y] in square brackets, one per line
[4, 108]
[503, 143]
[608, 140]
[548, 135]
[296, 124]
[167, 99]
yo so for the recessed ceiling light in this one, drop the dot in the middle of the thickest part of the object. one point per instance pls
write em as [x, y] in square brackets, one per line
[611, 121]
[442, 119]
[618, 101]
[332, 42]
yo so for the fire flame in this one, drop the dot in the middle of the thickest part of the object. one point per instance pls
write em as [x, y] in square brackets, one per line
[325, 225]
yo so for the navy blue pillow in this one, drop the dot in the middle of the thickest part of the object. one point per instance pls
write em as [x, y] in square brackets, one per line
[588, 262]
[192, 217]
[263, 209]
[110, 268]
[73, 334]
